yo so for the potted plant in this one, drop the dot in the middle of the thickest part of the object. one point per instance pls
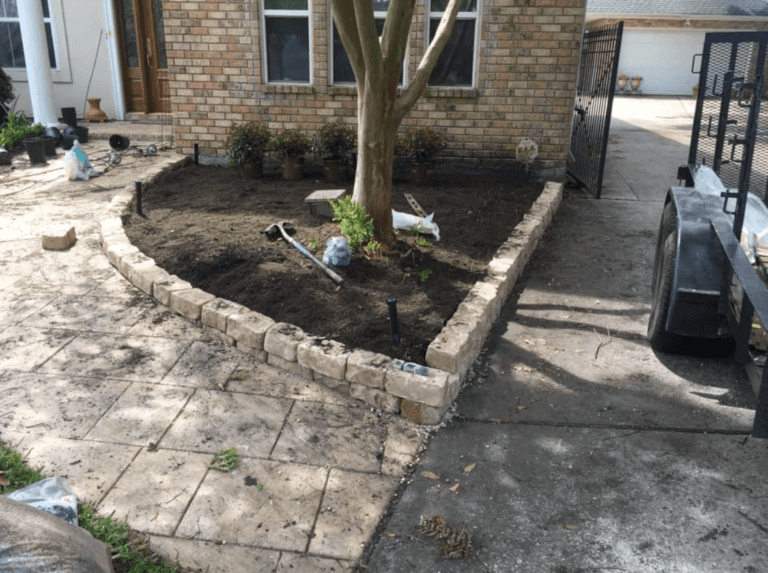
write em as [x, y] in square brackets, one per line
[622, 81]
[291, 145]
[245, 147]
[635, 82]
[6, 95]
[336, 141]
[421, 145]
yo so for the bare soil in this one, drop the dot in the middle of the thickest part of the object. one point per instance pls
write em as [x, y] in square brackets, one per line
[205, 224]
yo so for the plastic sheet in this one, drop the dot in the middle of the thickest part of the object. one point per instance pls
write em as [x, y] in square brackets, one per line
[51, 495]
[76, 164]
[337, 252]
[407, 222]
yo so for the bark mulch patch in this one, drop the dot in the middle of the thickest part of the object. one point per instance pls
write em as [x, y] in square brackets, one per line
[204, 224]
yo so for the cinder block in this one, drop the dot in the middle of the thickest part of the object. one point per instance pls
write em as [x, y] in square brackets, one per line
[59, 237]
[283, 340]
[162, 290]
[367, 368]
[324, 356]
[375, 397]
[189, 303]
[216, 312]
[248, 328]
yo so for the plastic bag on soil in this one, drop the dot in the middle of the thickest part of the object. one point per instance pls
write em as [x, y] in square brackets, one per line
[51, 495]
[408, 222]
[76, 164]
[337, 252]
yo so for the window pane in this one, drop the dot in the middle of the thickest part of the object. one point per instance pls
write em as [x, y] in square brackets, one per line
[10, 9]
[441, 5]
[157, 9]
[6, 53]
[454, 67]
[285, 4]
[125, 7]
[342, 69]
[51, 51]
[287, 49]
[380, 5]
[46, 10]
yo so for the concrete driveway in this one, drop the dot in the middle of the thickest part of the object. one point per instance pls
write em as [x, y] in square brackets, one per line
[575, 447]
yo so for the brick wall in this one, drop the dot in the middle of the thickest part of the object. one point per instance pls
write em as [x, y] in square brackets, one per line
[526, 76]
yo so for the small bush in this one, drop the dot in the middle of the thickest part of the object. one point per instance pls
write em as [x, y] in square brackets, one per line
[353, 222]
[247, 142]
[290, 143]
[337, 140]
[16, 128]
[422, 145]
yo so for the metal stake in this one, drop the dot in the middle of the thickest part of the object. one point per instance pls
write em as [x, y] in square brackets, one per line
[197, 152]
[392, 304]
[138, 198]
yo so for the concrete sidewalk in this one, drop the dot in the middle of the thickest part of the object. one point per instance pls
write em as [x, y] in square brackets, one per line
[575, 447]
[129, 403]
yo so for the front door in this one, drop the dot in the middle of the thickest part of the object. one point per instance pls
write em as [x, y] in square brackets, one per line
[145, 70]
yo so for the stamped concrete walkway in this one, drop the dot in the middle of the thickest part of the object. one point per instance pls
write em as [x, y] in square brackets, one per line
[130, 403]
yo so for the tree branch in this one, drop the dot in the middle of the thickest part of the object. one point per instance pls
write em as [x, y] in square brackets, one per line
[369, 43]
[346, 24]
[394, 37]
[419, 82]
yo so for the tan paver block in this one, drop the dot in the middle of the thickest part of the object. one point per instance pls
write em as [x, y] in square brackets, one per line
[216, 312]
[283, 340]
[189, 303]
[145, 275]
[333, 435]
[215, 557]
[59, 237]
[128, 262]
[446, 352]
[279, 515]
[333, 384]
[421, 413]
[249, 328]
[80, 462]
[118, 251]
[367, 368]
[155, 490]
[116, 239]
[111, 226]
[431, 389]
[140, 415]
[352, 507]
[228, 340]
[162, 290]
[213, 420]
[292, 367]
[376, 398]
[324, 356]
[404, 440]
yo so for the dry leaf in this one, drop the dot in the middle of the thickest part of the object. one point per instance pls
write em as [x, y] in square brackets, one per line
[521, 407]
[572, 526]
[470, 467]
[429, 475]
[495, 420]
[455, 487]
[388, 533]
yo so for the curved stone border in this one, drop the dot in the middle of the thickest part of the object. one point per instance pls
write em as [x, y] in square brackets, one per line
[374, 378]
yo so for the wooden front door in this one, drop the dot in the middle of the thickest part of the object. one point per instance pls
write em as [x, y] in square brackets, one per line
[145, 70]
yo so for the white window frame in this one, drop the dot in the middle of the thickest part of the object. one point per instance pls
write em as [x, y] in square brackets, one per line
[431, 15]
[61, 73]
[377, 15]
[279, 13]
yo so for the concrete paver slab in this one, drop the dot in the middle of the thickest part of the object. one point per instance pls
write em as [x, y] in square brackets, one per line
[352, 506]
[213, 557]
[212, 421]
[14, 309]
[121, 357]
[90, 313]
[205, 364]
[155, 490]
[89, 468]
[334, 435]
[140, 415]
[27, 348]
[161, 322]
[58, 406]
[260, 503]
[290, 562]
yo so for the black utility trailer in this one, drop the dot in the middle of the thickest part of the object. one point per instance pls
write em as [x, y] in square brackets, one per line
[707, 280]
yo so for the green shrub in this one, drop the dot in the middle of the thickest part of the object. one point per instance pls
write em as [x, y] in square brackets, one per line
[290, 143]
[422, 144]
[337, 140]
[353, 222]
[16, 128]
[246, 143]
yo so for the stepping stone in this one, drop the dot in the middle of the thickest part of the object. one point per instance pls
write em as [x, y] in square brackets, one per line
[318, 201]
[59, 237]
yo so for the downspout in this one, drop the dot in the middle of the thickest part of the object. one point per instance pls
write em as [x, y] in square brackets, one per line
[114, 60]
[37, 62]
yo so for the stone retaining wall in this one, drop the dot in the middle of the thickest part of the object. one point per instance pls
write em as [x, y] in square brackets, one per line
[374, 378]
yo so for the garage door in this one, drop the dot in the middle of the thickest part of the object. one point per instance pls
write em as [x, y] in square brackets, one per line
[662, 58]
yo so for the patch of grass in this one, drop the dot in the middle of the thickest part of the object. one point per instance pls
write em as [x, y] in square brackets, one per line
[225, 460]
[14, 473]
[425, 274]
[422, 242]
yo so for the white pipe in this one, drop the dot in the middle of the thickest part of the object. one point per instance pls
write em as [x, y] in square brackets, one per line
[114, 60]
[37, 63]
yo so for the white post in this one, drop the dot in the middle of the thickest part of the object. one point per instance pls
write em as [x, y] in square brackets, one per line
[114, 60]
[37, 62]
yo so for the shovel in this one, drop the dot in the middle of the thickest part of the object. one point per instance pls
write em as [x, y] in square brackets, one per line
[274, 232]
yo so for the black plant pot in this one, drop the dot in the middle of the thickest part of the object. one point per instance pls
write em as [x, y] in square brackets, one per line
[70, 116]
[35, 147]
[53, 132]
[50, 145]
[67, 141]
[81, 133]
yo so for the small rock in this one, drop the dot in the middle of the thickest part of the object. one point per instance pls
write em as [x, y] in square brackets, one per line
[59, 237]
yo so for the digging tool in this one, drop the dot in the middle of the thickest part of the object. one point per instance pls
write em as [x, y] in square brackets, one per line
[274, 232]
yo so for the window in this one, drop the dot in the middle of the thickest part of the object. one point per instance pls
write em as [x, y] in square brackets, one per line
[286, 40]
[11, 47]
[342, 69]
[456, 65]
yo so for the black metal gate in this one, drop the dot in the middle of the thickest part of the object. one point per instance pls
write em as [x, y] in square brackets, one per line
[598, 66]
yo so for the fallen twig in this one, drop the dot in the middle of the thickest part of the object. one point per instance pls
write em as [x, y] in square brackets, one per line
[602, 342]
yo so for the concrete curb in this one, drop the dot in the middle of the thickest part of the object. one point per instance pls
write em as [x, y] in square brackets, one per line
[375, 379]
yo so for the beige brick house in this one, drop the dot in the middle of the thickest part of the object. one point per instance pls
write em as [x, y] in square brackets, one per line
[508, 73]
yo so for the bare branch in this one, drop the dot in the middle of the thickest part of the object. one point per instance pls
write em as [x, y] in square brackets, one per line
[369, 43]
[394, 37]
[346, 25]
[428, 62]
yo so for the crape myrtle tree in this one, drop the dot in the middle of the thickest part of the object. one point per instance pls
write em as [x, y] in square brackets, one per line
[377, 64]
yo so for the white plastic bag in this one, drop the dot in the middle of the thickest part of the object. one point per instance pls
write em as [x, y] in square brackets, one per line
[51, 495]
[408, 222]
[76, 164]
[337, 252]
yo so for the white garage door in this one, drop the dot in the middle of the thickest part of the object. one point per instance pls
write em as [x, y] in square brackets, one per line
[662, 58]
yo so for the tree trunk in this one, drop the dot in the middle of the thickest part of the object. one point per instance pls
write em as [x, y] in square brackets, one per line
[377, 132]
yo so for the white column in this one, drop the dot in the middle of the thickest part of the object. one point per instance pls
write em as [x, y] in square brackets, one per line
[114, 60]
[37, 62]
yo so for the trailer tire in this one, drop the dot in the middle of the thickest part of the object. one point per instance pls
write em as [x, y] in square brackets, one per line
[664, 273]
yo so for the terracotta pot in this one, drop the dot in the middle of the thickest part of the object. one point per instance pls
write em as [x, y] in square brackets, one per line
[252, 169]
[423, 173]
[622, 81]
[636, 81]
[335, 170]
[293, 168]
[95, 113]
